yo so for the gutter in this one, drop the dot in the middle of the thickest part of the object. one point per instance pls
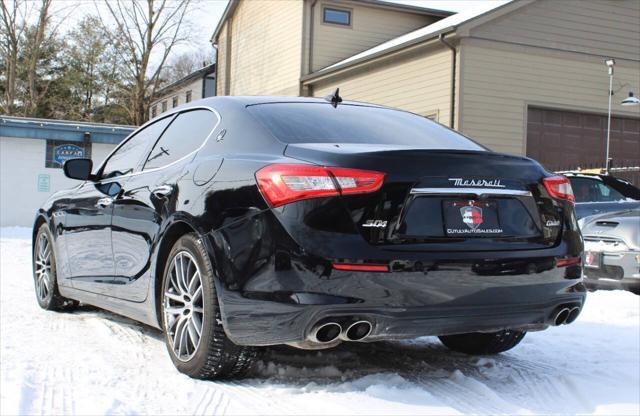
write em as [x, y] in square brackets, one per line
[452, 107]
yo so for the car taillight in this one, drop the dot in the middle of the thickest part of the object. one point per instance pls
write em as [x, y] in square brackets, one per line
[285, 183]
[559, 187]
[361, 267]
[570, 261]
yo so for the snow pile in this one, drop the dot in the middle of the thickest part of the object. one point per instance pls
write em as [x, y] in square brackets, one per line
[93, 362]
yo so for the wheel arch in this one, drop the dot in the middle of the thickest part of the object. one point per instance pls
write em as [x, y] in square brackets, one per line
[37, 223]
[173, 233]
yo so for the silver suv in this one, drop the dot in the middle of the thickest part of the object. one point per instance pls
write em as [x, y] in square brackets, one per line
[612, 250]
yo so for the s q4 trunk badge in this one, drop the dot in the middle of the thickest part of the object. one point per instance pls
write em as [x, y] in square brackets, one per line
[472, 216]
[375, 224]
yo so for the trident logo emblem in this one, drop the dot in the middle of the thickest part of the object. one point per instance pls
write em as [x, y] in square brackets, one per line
[472, 216]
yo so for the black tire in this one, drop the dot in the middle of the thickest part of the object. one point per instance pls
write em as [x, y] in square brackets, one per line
[483, 343]
[50, 300]
[634, 288]
[215, 356]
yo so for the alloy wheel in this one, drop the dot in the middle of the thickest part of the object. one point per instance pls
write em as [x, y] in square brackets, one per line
[43, 267]
[184, 306]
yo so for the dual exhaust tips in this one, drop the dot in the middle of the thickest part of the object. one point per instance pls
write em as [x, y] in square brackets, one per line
[566, 315]
[331, 331]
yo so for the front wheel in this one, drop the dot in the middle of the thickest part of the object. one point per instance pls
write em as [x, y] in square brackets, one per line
[483, 343]
[44, 273]
[194, 334]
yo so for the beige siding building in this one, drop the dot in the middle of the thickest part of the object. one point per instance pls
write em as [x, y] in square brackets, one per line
[265, 47]
[527, 77]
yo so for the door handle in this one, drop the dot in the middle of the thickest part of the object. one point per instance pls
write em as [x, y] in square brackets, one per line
[104, 202]
[162, 191]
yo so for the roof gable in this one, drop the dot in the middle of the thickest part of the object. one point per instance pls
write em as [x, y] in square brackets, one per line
[388, 4]
[464, 20]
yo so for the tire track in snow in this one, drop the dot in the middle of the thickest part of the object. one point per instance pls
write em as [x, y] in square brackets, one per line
[56, 391]
[253, 396]
[211, 402]
[131, 336]
[455, 379]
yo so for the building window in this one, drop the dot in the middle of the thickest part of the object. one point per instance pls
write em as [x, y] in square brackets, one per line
[174, 102]
[209, 86]
[154, 111]
[164, 106]
[59, 151]
[188, 99]
[336, 16]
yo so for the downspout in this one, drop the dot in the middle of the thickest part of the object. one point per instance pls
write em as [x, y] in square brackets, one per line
[306, 67]
[227, 60]
[453, 79]
[311, 30]
[215, 83]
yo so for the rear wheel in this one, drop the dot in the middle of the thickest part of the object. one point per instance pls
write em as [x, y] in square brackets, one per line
[194, 334]
[483, 343]
[44, 273]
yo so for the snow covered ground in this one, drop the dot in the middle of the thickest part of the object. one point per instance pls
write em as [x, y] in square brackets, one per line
[94, 362]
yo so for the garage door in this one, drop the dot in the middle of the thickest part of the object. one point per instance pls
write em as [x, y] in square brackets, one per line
[564, 140]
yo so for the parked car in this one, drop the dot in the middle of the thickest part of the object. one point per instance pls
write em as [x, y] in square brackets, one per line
[612, 250]
[599, 194]
[238, 222]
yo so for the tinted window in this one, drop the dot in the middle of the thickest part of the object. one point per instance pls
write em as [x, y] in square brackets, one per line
[184, 135]
[321, 123]
[129, 155]
[593, 190]
[337, 17]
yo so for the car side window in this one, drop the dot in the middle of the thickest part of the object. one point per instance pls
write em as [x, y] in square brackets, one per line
[125, 160]
[609, 194]
[185, 135]
[593, 190]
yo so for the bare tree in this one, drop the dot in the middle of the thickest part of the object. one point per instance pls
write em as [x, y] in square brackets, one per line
[186, 63]
[148, 30]
[14, 21]
[28, 39]
[34, 48]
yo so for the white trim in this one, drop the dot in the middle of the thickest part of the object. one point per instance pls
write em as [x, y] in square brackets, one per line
[472, 191]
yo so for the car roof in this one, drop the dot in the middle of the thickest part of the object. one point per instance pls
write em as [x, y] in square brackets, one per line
[244, 101]
[582, 175]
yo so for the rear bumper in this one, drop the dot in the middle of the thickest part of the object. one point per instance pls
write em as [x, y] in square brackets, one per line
[632, 284]
[624, 265]
[262, 323]
[402, 305]
[276, 289]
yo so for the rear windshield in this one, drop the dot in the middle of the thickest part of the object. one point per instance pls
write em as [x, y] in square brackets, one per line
[321, 123]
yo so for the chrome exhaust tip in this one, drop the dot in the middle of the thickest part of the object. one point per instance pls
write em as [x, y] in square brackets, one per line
[357, 331]
[561, 316]
[573, 315]
[325, 333]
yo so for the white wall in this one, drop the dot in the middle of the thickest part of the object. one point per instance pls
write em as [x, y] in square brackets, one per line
[21, 161]
[196, 93]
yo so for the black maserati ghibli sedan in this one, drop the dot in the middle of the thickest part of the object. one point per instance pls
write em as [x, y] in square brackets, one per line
[233, 223]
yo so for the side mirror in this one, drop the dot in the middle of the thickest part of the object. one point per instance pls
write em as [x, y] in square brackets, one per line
[78, 169]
